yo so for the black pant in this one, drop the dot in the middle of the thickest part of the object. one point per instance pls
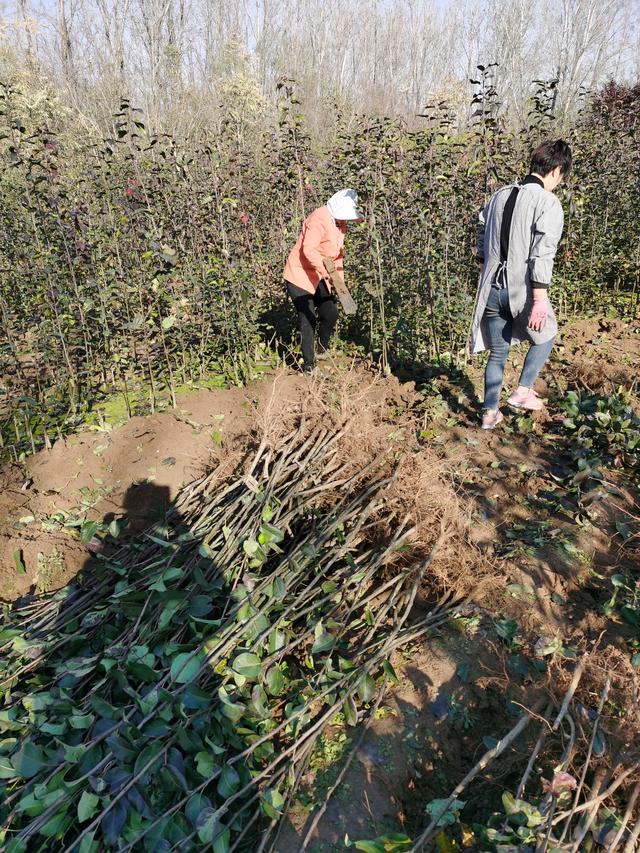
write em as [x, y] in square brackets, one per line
[320, 305]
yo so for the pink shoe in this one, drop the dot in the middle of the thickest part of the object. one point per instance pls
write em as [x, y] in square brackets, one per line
[528, 400]
[491, 418]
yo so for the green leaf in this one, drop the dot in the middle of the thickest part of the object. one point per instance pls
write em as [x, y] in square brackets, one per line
[259, 702]
[599, 744]
[104, 709]
[208, 825]
[194, 808]
[251, 547]
[273, 534]
[185, 667]
[55, 729]
[248, 665]
[7, 770]
[222, 844]
[232, 710]
[19, 562]
[450, 817]
[8, 744]
[276, 641]
[145, 757]
[229, 781]
[275, 681]
[35, 803]
[520, 812]
[624, 530]
[205, 551]
[73, 754]
[29, 760]
[168, 322]
[175, 601]
[57, 825]
[631, 615]
[164, 543]
[37, 701]
[88, 531]
[142, 672]
[156, 728]
[394, 842]
[366, 688]
[16, 845]
[272, 803]
[323, 643]
[205, 764]
[88, 844]
[81, 721]
[390, 672]
[350, 712]
[176, 766]
[277, 588]
[87, 806]
[113, 822]
[195, 698]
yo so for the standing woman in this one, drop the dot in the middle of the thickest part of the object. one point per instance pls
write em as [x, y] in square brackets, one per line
[305, 275]
[520, 230]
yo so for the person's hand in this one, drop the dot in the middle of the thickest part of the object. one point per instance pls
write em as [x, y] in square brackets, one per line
[539, 312]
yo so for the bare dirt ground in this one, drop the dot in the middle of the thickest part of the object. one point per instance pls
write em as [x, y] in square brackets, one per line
[484, 484]
[133, 471]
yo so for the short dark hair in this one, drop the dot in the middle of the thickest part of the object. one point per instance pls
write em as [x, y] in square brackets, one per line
[549, 155]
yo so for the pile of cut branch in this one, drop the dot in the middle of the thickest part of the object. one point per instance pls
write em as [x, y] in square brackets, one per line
[171, 699]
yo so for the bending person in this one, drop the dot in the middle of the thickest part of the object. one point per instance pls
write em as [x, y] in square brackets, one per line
[306, 278]
[520, 230]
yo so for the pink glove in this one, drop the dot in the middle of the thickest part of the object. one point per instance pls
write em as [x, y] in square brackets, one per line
[538, 316]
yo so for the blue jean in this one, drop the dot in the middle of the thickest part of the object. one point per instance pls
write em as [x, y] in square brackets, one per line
[499, 324]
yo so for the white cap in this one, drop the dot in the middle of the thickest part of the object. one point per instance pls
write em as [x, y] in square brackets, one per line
[344, 205]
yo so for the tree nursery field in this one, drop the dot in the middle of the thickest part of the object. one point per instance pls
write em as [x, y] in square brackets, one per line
[247, 609]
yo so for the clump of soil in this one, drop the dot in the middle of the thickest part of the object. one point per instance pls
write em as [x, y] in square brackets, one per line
[601, 355]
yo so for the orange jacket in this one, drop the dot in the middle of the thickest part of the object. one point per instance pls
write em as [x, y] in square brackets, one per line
[320, 238]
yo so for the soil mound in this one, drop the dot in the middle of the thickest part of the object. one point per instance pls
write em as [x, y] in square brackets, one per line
[131, 472]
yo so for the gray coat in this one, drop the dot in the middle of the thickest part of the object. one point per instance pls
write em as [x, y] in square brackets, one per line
[536, 228]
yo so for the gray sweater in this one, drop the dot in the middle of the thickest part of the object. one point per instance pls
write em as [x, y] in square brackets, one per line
[536, 228]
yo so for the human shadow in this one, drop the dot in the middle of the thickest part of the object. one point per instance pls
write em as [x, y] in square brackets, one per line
[143, 505]
[432, 730]
[121, 649]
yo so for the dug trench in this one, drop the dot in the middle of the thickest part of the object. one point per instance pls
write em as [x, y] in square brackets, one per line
[530, 552]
